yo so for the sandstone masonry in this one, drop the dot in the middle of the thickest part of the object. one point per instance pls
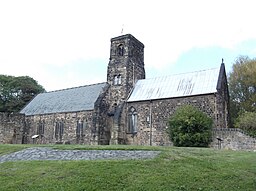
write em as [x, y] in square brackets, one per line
[107, 115]
[11, 128]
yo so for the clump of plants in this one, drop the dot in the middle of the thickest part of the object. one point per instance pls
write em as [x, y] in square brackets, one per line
[190, 127]
[246, 121]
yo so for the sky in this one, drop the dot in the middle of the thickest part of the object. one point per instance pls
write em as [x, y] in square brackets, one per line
[66, 43]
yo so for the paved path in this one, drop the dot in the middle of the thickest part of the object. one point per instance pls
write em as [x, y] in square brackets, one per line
[43, 153]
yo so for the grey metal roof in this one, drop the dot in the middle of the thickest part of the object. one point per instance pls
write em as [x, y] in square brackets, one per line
[67, 100]
[187, 84]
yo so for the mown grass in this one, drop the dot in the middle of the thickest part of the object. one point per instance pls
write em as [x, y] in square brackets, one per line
[10, 148]
[175, 169]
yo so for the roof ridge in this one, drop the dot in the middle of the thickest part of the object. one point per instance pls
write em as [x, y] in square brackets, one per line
[181, 73]
[74, 87]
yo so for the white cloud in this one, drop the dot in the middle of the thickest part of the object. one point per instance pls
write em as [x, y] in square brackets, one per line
[38, 34]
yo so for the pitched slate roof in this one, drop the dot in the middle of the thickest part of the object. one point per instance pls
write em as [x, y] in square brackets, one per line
[67, 100]
[187, 84]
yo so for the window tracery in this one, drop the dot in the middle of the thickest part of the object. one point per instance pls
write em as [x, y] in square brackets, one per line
[132, 120]
[117, 80]
[59, 130]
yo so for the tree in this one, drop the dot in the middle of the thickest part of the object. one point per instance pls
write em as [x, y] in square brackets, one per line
[247, 122]
[242, 86]
[190, 127]
[16, 92]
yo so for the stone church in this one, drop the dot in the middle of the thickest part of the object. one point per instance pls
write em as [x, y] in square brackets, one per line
[127, 109]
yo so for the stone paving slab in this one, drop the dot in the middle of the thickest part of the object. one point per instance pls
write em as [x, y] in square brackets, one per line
[44, 153]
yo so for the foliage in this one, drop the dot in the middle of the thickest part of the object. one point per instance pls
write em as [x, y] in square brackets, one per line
[247, 122]
[190, 127]
[16, 92]
[242, 86]
[175, 169]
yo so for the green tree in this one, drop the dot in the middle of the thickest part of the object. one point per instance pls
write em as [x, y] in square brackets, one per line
[16, 92]
[190, 127]
[246, 121]
[242, 86]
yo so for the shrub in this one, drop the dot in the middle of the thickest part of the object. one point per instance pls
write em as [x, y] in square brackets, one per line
[247, 122]
[189, 127]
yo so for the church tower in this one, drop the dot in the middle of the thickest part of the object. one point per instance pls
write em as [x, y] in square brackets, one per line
[126, 66]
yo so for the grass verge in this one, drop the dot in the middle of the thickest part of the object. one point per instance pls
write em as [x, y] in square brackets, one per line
[175, 169]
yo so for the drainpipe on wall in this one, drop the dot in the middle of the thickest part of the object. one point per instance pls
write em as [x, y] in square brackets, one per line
[133, 77]
[216, 112]
[150, 123]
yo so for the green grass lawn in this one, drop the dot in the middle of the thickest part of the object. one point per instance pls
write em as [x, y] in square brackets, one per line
[175, 169]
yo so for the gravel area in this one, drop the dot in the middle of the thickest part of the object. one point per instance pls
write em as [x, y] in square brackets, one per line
[44, 153]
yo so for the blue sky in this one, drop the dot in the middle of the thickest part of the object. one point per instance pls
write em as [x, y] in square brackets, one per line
[207, 57]
[65, 43]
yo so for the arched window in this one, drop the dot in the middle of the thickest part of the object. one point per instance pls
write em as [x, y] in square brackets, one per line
[40, 129]
[120, 50]
[115, 80]
[59, 130]
[132, 120]
[119, 79]
[80, 128]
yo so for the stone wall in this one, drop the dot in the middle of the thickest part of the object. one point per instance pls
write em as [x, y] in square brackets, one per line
[153, 117]
[125, 67]
[15, 129]
[11, 128]
[231, 138]
[68, 121]
[101, 118]
[222, 100]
